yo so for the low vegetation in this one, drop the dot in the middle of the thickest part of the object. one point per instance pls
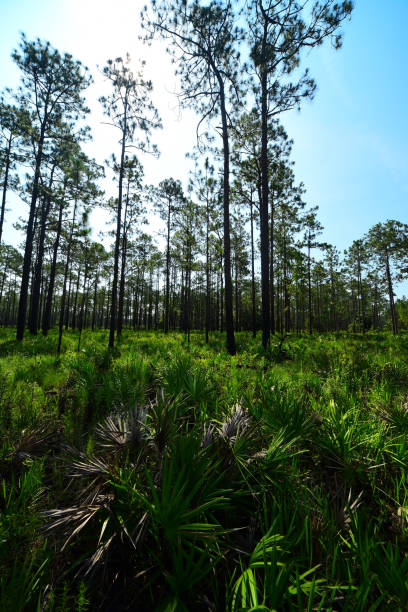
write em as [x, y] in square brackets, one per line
[167, 475]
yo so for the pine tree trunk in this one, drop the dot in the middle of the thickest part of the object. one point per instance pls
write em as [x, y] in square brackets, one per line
[271, 266]
[122, 287]
[74, 312]
[64, 286]
[5, 185]
[35, 293]
[94, 303]
[264, 203]
[253, 273]
[81, 310]
[28, 250]
[68, 306]
[167, 289]
[3, 279]
[123, 267]
[114, 293]
[309, 287]
[229, 320]
[391, 294]
[207, 276]
[46, 321]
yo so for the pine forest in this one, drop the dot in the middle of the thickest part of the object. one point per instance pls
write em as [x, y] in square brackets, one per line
[204, 405]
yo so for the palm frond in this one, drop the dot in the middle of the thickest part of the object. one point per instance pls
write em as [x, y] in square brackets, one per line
[235, 425]
[118, 432]
[36, 443]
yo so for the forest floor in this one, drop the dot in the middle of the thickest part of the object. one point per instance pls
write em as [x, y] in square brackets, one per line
[172, 476]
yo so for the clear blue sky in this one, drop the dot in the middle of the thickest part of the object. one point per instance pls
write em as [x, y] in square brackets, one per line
[351, 142]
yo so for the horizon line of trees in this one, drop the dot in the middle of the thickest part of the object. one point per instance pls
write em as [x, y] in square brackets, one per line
[242, 248]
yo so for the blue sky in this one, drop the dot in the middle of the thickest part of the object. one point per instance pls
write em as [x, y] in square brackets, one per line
[351, 145]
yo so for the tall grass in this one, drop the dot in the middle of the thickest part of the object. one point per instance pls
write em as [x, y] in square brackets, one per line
[168, 476]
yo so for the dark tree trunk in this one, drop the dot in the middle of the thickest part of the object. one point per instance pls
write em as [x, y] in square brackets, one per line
[375, 308]
[94, 303]
[46, 321]
[150, 311]
[271, 266]
[309, 288]
[207, 275]
[362, 305]
[222, 298]
[264, 203]
[122, 287]
[237, 320]
[217, 303]
[229, 320]
[156, 301]
[285, 288]
[28, 250]
[68, 306]
[253, 273]
[3, 279]
[123, 268]
[81, 310]
[391, 294]
[74, 312]
[167, 289]
[5, 185]
[107, 317]
[114, 296]
[35, 292]
[64, 286]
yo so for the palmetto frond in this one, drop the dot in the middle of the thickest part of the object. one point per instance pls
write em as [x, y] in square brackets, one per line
[99, 555]
[118, 431]
[235, 425]
[85, 466]
[35, 443]
[95, 470]
[163, 415]
[208, 435]
[72, 520]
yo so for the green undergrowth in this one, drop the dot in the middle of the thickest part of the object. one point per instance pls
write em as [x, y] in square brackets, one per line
[170, 476]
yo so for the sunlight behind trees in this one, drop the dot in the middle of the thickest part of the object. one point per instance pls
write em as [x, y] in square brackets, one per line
[203, 390]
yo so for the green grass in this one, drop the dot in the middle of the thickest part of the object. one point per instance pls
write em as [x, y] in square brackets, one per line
[172, 476]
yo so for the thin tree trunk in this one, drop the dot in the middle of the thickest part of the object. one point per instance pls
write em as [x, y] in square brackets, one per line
[123, 267]
[35, 292]
[309, 287]
[113, 317]
[28, 250]
[81, 311]
[391, 294]
[46, 321]
[207, 274]
[253, 272]
[64, 286]
[264, 203]
[74, 312]
[5, 185]
[167, 289]
[94, 303]
[229, 320]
